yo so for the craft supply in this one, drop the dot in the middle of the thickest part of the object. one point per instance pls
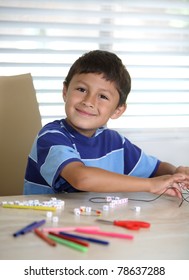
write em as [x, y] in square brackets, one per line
[68, 243]
[55, 219]
[128, 224]
[105, 207]
[83, 210]
[29, 228]
[105, 233]
[94, 240]
[58, 229]
[77, 211]
[53, 204]
[49, 214]
[21, 231]
[99, 199]
[72, 239]
[36, 225]
[137, 208]
[16, 206]
[116, 200]
[44, 237]
[88, 209]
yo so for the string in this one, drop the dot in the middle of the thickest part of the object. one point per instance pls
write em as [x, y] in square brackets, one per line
[184, 198]
[99, 199]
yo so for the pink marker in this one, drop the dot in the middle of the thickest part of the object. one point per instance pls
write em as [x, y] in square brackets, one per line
[52, 229]
[104, 233]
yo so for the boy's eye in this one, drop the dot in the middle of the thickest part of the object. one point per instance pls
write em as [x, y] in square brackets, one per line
[103, 96]
[81, 89]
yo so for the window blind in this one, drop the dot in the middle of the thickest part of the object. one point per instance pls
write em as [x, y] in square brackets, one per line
[44, 38]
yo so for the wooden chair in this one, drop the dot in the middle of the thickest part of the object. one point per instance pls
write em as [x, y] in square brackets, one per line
[20, 121]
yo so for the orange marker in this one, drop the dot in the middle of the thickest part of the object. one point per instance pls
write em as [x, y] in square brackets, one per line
[44, 237]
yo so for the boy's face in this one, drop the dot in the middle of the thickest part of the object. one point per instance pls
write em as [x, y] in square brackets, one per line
[90, 101]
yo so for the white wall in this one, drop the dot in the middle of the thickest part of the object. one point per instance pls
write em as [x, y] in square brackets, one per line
[171, 145]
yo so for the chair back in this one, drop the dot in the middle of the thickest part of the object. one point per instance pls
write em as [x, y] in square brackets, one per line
[20, 121]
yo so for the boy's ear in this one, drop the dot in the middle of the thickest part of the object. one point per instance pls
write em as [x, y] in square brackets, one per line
[64, 92]
[119, 111]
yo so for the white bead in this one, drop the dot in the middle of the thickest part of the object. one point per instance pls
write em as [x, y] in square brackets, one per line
[108, 198]
[105, 207]
[112, 205]
[49, 214]
[4, 202]
[55, 219]
[60, 202]
[88, 209]
[125, 200]
[16, 202]
[77, 211]
[137, 208]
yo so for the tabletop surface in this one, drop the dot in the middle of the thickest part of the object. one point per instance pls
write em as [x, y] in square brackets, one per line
[166, 239]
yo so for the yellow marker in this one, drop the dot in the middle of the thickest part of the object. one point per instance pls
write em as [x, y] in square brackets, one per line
[43, 208]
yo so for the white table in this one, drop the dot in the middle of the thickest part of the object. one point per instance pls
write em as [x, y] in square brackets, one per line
[167, 238]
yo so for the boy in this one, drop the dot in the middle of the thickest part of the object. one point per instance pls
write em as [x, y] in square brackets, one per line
[79, 153]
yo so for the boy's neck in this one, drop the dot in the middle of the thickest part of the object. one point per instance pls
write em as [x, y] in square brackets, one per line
[87, 133]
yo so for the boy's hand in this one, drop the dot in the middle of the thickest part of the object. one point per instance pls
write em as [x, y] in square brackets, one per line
[170, 184]
[182, 169]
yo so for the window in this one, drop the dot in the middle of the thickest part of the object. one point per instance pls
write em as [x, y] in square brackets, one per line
[44, 38]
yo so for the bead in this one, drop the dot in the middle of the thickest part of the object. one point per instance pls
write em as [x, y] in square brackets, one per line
[77, 211]
[105, 207]
[82, 208]
[49, 214]
[125, 200]
[88, 209]
[137, 208]
[112, 205]
[98, 212]
[55, 219]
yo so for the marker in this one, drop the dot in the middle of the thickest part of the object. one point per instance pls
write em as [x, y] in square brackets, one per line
[44, 237]
[53, 229]
[21, 231]
[94, 240]
[29, 228]
[68, 243]
[43, 208]
[75, 240]
[105, 233]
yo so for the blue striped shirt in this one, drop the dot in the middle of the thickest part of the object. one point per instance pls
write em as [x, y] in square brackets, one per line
[58, 144]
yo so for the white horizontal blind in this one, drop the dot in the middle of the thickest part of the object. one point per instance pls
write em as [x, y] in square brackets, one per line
[44, 38]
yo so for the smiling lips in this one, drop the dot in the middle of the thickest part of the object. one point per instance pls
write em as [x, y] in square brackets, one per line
[85, 113]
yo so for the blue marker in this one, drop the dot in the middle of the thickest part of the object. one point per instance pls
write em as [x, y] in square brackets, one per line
[102, 242]
[29, 228]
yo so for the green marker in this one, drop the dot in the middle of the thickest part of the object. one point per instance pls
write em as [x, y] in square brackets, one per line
[68, 243]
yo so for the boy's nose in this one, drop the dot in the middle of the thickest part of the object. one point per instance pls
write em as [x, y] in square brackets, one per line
[89, 101]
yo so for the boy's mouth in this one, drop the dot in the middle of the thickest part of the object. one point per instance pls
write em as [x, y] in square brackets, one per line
[85, 113]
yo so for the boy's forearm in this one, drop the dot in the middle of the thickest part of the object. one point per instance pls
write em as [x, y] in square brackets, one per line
[104, 181]
[93, 179]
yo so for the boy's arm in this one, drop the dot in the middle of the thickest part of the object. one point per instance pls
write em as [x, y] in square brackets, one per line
[94, 179]
[167, 168]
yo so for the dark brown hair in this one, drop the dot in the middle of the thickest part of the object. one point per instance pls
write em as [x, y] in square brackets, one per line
[106, 63]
